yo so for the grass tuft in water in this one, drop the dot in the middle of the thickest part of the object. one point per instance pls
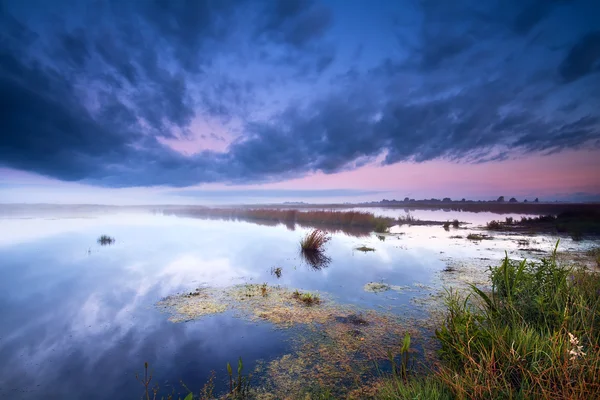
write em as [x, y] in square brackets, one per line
[314, 240]
[105, 240]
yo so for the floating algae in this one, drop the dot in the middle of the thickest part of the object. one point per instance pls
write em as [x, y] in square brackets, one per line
[334, 346]
[191, 306]
[336, 355]
[378, 287]
[281, 306]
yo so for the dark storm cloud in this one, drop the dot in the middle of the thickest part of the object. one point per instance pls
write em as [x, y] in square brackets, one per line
[91, 98]
[296, 22]
[583, 58]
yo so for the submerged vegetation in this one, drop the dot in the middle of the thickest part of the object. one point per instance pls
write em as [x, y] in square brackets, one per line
[105, 240]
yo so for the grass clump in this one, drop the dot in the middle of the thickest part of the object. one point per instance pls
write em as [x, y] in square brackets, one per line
[364, 249]
[536, 334]
[277, 272]
[105, 240]
[381, 225]
[455, 223]
[314, 240]
[306, 298]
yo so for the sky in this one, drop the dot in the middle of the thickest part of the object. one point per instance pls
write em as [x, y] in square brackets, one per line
[205, 101]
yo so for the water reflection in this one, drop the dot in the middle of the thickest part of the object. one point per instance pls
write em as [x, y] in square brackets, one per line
[315, 259]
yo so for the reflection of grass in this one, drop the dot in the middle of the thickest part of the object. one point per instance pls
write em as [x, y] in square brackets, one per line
[364, 249]
[276, 271]
[105, 240]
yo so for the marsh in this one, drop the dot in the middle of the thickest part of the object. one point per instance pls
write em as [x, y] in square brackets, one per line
[73, 309]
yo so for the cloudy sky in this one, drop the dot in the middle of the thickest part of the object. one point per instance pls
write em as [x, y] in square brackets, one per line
[145, 101]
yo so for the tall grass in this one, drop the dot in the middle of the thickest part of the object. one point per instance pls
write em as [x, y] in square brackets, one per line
[536, 334]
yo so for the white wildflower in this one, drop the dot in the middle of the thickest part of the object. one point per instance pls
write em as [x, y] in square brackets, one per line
[577, 350]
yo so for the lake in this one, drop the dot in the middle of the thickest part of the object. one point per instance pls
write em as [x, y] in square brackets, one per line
[79, 319]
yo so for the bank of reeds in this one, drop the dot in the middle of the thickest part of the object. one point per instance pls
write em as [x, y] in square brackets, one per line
[310, 218]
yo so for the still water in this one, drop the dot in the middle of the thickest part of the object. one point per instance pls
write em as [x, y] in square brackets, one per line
[79, 319]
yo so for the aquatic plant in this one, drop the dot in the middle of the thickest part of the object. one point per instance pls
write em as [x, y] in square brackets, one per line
[263, 289]
[276, 271]
[105, 240]
[401, 370]
[307, 298]
[477, 236]
[314, 240]
[239, 387]
[381, 238]
[364, 249]
[311, 249]
[447, 225]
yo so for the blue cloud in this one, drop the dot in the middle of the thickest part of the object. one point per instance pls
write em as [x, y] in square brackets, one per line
[90, 89]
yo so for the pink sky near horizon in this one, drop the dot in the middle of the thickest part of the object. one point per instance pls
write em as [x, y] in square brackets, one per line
[563, 173]
[567, 172]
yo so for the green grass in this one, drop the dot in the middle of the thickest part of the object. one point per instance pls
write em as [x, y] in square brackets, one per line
[307, 298]
[520, 340]
[423, 388]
